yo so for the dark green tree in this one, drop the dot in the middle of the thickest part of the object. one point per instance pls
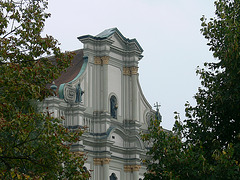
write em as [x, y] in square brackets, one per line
[215, 120]
[33, 145]
[210, 136]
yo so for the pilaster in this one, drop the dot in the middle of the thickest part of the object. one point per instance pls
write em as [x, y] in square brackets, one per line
[134, 73]
[104, 169]
[103, 62]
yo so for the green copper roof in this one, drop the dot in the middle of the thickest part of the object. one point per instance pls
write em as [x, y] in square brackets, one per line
[106, 33]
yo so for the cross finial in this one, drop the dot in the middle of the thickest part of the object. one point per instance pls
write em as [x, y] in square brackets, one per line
[157, 105]
[158, 115]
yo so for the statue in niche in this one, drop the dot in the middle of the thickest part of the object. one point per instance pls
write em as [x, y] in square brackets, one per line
[79, 93]
[114, 106]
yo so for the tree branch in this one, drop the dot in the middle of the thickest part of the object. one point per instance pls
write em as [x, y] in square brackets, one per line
[11, 32]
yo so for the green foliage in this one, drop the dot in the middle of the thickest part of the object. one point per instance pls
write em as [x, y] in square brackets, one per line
[33, 145]
[211, 132]
[171, 158]
[216, 118]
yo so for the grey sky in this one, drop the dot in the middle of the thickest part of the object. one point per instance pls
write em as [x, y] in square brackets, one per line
[167, 30]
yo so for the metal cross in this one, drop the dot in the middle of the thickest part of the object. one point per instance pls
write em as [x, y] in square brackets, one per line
[157, 105]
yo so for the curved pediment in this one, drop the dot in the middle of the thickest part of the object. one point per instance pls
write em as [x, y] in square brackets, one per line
[115, 39]
[125, 140]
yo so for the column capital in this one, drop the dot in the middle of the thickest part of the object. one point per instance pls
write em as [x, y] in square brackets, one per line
[134, 70]
[131, 168]
[106, 160]
[101, 161]
[126, 71]
[130, 70]
[78, 153]
[105, 59]
[136, 167]
[101, 60]
[97, 60]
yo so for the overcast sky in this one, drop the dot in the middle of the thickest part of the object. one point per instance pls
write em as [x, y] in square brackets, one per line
[167, 30]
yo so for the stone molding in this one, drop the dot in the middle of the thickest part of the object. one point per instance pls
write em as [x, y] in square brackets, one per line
[131, 168]
[101, 60]
[101, 161]
[130, 70]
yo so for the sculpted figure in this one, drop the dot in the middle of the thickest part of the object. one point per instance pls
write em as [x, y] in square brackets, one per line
[114, 106]
[79, 93]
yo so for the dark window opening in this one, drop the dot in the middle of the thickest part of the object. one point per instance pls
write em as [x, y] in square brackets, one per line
[113, 176]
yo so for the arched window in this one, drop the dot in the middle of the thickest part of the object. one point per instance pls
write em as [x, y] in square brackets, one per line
[114, 106]
[113, 176]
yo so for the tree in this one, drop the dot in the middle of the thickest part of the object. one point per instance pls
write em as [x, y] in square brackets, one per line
[171, 158]
[33, 145]
[211, 131]
[215, 121]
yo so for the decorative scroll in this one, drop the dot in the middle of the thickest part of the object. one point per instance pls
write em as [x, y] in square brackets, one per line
[73, 94]
[69, 93]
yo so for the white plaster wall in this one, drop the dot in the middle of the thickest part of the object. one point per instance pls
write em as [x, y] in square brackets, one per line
[90, 80]
[117, 42]
[118, 140]
[116, 56]
[142, 110]
[114, 85]
[117, 154]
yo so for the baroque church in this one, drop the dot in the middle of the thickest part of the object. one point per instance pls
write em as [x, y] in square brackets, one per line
[101, 91]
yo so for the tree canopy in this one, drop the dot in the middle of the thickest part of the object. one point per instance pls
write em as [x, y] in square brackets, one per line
[33, 145]
[210, 134]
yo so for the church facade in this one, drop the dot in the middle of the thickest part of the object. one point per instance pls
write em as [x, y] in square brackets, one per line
[101, 91]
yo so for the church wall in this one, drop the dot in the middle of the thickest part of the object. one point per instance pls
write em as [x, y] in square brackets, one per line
[118, 42]
[112, 145]
[97, 88]
[114, 86]
[90, 89]
[116, 56]
[127, 100]
[118, 140]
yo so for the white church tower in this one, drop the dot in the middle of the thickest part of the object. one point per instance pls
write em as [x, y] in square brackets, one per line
[112, 106]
